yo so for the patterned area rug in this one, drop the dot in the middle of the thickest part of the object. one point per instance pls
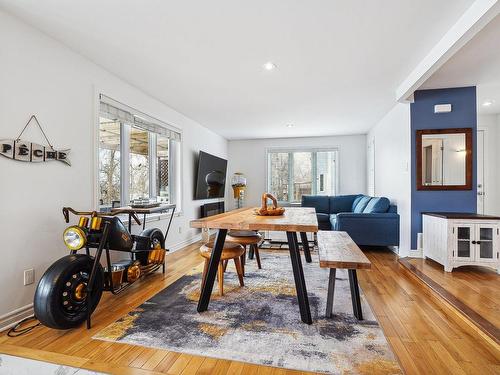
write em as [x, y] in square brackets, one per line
[260, 323]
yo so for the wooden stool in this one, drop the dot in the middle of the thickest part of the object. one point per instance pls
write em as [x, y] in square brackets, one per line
[231, 251]
[246, 238]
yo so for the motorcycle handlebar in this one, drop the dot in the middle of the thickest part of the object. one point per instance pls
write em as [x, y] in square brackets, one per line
[67, 210]
[132, 213]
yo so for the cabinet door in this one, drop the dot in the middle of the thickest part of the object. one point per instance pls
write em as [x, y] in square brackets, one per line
[464, 236]
[486, 242]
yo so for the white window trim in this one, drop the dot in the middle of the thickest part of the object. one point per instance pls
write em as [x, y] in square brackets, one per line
[304, 149]
[178, 171]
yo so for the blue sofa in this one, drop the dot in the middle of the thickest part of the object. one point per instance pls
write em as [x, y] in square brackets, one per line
[368, 220]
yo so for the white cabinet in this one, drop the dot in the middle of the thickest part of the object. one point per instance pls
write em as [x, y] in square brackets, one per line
[455, 239]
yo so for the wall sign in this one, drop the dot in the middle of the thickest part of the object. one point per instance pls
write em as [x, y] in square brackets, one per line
[18, 149]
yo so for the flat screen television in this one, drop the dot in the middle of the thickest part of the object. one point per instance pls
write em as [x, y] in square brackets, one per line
[211, 177]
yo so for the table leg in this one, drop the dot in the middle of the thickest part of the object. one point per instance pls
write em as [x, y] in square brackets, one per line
[208, 284]
[305, 246]
[356, 300]
[331, 291]
[298, 274]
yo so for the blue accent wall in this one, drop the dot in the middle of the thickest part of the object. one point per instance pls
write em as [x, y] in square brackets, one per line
[463, 115]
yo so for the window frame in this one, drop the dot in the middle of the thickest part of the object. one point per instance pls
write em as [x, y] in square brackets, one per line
[175, 155]
[314, 151]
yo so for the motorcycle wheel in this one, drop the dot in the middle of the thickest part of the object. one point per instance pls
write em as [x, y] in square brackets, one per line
[61, 298]
[156, 241]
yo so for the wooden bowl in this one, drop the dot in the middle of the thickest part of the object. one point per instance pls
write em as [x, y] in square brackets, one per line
[266, 210]
[270, 212]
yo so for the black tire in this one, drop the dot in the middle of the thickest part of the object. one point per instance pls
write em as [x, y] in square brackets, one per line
[56, 303]
[154, 235]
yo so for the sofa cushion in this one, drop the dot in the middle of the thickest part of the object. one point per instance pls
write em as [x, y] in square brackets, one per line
[320, 202]
[393, 209]
[355, 203]
[376, 205]
[333, 221]
[323, 218]
[360, 206]
[342, 203]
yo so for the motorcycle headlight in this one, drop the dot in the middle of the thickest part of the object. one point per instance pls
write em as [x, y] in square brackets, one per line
[74, 238]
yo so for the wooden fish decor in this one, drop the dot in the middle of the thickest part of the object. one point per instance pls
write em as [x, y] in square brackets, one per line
[31, 152]
[18, 149]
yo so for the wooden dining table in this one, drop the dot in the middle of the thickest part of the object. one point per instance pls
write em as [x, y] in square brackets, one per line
[295, 220]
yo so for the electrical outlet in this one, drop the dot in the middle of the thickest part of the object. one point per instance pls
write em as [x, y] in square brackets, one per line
[29, 276]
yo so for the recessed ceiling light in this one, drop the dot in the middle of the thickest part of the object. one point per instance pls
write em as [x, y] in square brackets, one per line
[289, 125]
[269, 65]
[487, 103]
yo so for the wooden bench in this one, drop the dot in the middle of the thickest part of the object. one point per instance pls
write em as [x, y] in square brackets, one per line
[338, 250]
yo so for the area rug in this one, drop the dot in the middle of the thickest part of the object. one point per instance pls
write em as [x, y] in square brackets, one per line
[260, 322]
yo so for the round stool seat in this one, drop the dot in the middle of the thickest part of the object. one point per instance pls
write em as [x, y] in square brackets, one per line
[231, 250]
[246, 238]
[252, 239]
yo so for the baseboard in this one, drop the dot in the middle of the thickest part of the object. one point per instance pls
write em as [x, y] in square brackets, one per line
[415, 254]
[185, 243]
[12, 318]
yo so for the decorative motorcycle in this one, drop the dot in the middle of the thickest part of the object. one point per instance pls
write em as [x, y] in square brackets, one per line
[70, 290]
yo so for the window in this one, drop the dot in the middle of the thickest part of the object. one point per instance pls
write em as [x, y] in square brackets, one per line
[136, 155]
[293, 173]
[139, 164]
[162, 168]
[109, 162]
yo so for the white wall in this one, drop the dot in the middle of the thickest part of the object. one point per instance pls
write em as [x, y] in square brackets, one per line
[491, 125]
[249, 157]
[391, 136]
[41, 76]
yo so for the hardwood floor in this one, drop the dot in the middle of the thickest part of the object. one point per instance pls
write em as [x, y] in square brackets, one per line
[427, 335]
[472, 290]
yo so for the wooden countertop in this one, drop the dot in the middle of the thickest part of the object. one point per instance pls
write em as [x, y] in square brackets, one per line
[295, 219]
[461, 215]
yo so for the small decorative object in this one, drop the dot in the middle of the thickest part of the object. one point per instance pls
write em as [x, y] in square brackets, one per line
[239, 184]
[144, 203]
[272, 210]
[18, 149]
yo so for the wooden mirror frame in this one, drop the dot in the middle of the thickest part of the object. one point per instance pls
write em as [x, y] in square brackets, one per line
[468, 158]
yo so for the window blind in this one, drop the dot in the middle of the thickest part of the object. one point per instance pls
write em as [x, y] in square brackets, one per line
[120, 112]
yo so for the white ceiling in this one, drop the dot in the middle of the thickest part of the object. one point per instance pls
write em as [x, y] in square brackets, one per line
[476, 64]
[339, 62]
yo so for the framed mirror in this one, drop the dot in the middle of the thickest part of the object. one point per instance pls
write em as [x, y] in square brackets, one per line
[444, 159]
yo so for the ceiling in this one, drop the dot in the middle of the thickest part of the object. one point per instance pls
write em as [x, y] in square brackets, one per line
[339, 62]
[476, 64]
